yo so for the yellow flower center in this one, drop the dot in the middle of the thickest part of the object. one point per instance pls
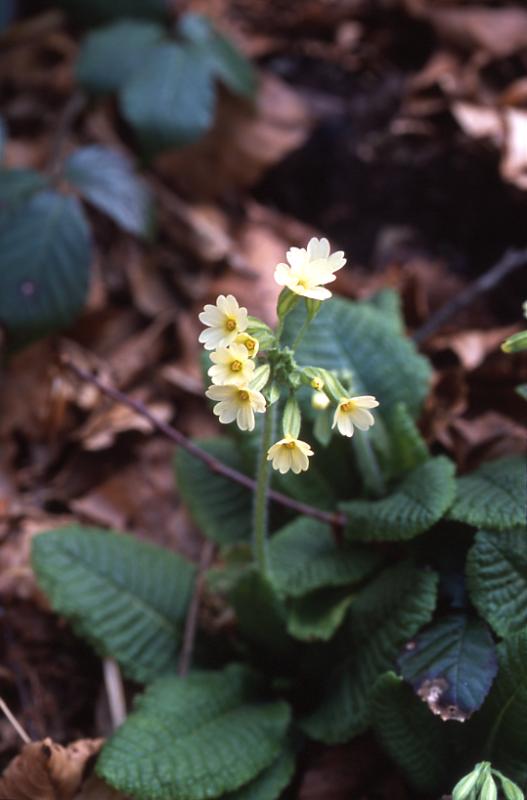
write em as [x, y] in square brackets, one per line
[349, 405]
[236, 366]
[230, 324]
[249, 344]
[243, 395]
[289, 445]
[303, 283]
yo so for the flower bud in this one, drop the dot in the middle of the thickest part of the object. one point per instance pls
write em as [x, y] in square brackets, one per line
[489, 790]
[510, 790]
[464, 787]
[319, 401]
[317, 383]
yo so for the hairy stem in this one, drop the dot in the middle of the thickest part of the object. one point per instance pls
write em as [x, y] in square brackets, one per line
[261, 494]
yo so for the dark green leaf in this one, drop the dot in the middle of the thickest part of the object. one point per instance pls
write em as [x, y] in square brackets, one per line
[317, 616]
[457, 655]
[408, 449]
[260, 613]
[304, 557]
[221, 508]
[497, 579]
[270, 784]
[106, 179]
[45, 252]
[413, 506]
[17, 185]
[493, 496]
[195, 738]
[109, 57]
[170, 102]
[127, 597]
[388, 302]
[384, 615]
[357, 337]
[411, 735]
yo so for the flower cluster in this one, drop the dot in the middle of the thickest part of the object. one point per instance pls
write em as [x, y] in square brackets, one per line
[250, 367]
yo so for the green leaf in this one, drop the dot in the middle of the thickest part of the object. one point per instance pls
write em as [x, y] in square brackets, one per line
[270, 784]
[515, 343]
[45, 252]
[318, 615]
[497, 579]
[504, 715]
[414, 505]
[410, 734]
[408, 449]
[195, 738]
[314, 487]
[221, 508]
[95, 11]
[493, 496]
[4, 135]
[17, 185]
[106, 179]
[170, 102]
[228, 63]
[383, 616]
[304, 557]
[357, 337]
[109, 57]
[126, 597]
[388, 302]
[456, 654]
[260, 613]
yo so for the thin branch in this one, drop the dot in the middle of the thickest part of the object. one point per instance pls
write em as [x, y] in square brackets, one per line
[510, 261]
[214, 464]
[14, 722]
[113, 683]
[191, 622]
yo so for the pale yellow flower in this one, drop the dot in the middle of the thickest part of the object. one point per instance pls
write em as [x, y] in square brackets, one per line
[250, 343]
[237, 403]
[232, 365]
[224, 322]
[319, 401]
[290, 453]
[309, 269]
[354, 411]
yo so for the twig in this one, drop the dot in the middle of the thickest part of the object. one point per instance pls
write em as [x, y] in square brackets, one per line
[191, 622]
[511, 260]
[14, 722]
[113, 684]
[63, 129]
[214, 464]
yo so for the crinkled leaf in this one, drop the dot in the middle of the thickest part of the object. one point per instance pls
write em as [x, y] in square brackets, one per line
[457, 656]
[17, 185]
[195, 737]
[45, 252]
[493, 496]
[304, 557]
[221, 508]
[411, 735]
[383, 616]
[388, 302]
[106, 179]
[355, 336]
[109, 57]
[412, 507]
[407, 447]
[260, 613]
[270, 784]
[318, 615]
[170, 101]
[504, 715]
[127, 597]
[497, 579]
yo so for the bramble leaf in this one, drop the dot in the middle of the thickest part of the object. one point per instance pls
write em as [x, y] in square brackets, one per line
[414, 505]
[221, 508]
[304, 557]
[126, 597]
[410, 734]
[45, 252]
[17, 185]
[110, 56]
[106, 179]
[493, 496]
[497, 579]
[196, 737]
[458, 656]
[383, 616]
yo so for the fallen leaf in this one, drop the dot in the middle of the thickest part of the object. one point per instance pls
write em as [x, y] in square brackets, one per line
[45, 770]
[497, 31]
[103, 425]
[514, 162]
[96, 789]
[472, 346]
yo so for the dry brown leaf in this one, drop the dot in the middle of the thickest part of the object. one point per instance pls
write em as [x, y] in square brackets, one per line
[47, 771]
[101, 428]
[497, 31]
[473, 346]
[514, 162]
[96, 789]
[245, 141]
[479, 122]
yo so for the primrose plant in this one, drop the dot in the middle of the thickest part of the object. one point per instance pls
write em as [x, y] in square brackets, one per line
[253, 371]
[377, 592]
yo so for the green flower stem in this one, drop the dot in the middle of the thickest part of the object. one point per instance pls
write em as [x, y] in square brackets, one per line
[260, 520]
[368, 464]
[300, 333]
